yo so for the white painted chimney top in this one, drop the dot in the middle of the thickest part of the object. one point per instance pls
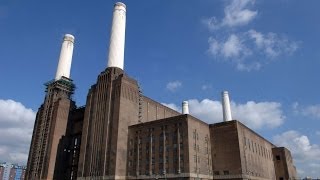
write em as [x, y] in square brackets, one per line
[185, 107]
[65, 59]
[226, 106]
[117, 37]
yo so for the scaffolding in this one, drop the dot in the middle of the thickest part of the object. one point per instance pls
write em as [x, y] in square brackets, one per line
[63, 83]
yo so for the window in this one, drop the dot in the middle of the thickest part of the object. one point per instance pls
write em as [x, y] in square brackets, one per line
[252, 146]
[181, 145]
[160, 171]
[226, 172]
[255, 147]
[278, 157]
[281, 178]
[216, 173]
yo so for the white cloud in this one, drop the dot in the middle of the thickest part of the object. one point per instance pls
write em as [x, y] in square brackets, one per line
[244, 50]
[212, 23]
[251, 66]
[172, 106]
[305, 154]
[15, 131]
[232, 47]
[253, 114]
[299, 145]
[272, 44]
[207, 110]
[312, 111]
[205, 87]
[237, 13]
[173, 86]
[259, 114]
[231, 50]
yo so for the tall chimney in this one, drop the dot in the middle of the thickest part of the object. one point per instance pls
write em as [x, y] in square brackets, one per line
[117, 39]
[185, 107]
[65, 59]
[226, 106]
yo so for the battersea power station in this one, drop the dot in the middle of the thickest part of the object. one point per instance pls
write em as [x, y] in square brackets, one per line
[122, 134]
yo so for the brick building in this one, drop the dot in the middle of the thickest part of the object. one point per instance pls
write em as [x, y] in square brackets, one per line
[122, 134]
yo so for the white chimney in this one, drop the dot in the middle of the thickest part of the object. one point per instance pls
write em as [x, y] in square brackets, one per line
[117, 38]
[65, 59]
[226, 106]
[185, 107]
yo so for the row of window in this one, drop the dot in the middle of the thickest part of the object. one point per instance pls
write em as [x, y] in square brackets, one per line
[160, 172]
[164, 127]
[160, 159]
[161, 166]
[162, 136]
[160, 150]
[257, 148]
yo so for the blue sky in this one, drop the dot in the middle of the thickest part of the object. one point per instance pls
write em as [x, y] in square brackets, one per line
[265, 53]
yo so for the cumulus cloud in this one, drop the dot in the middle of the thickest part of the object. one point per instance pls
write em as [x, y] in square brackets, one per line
[245, 49]
[15, 131]
[259, 114]
[299, 145]
[237, 13]
[174, 85]
[207, 110]
[305, 154]
[312, 111]
[253, 114]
